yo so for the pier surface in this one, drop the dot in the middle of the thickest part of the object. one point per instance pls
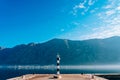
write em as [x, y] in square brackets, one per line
[64, 77]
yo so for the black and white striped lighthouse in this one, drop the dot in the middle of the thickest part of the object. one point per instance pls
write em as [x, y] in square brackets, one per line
[58, 67]
[58, 64]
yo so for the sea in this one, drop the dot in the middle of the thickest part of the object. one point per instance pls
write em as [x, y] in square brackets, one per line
[11, 71]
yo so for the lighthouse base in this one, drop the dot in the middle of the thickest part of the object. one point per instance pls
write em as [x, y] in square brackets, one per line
[57, 76]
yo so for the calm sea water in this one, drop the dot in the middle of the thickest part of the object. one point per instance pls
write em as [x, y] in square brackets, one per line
[14, 71]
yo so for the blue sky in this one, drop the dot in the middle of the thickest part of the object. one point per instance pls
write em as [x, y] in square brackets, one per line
[25, 21]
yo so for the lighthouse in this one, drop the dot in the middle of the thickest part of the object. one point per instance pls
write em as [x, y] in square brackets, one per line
[58, 64]
[57, 67]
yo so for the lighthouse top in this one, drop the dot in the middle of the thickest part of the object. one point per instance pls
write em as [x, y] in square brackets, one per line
[58, 56]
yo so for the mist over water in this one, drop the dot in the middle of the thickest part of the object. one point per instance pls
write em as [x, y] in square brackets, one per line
[10, 71]
[67, 67]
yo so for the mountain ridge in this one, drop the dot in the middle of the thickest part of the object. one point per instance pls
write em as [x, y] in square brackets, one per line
[93, 51]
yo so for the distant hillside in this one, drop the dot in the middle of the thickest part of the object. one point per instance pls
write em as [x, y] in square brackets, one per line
[94, 51]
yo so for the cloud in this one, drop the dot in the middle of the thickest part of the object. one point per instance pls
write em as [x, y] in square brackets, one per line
[110, 12]
[111, 15]
[106, 22]
[109, 22]
[110, 4]
[91, 2]
[81, 5]
[94, 10]
[118, 8]
[103, 32]
[107, 7]
[112, 7]
[85, 5]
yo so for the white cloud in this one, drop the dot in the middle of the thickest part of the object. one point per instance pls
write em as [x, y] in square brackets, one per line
[83, 6]
[110, 12]
[107, 7]
[94, 10]
[118, 8]
[103, 32]
[91, 2]
[110, 4]
[110, 22]
[80, 6]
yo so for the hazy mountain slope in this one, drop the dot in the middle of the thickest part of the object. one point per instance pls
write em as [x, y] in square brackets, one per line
[94, 51]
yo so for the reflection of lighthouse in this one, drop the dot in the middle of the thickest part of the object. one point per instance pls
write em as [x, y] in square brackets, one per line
[58, 64]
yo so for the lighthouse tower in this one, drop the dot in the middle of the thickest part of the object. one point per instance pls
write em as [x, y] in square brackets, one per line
[58, 67]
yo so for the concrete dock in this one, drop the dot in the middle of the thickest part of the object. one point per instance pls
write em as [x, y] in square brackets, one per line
[64, 77]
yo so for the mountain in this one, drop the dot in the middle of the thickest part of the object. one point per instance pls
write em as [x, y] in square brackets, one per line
[93, 51]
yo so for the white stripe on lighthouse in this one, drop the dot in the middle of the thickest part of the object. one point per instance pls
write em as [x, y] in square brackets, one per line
[58, 67]
[58, 61]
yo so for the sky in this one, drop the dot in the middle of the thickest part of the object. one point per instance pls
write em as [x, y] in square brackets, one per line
[25, 21]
